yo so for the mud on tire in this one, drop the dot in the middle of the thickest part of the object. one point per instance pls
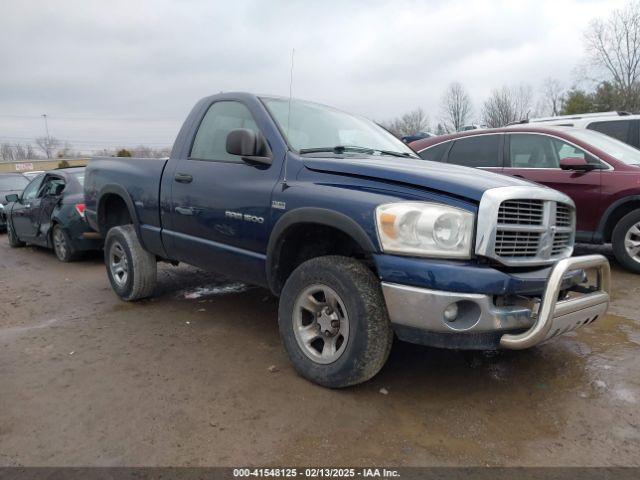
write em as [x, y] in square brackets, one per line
[132, 271]
[370, 335]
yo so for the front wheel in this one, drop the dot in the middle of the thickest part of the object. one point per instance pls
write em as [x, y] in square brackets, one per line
[626, 241]
[132, 270]
[333, 321]
[14, 241]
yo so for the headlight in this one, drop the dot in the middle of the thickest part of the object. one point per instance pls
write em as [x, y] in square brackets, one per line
[425, 229]
[1, 206]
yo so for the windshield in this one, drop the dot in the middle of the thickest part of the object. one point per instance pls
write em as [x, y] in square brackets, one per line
[310, 126]
[617, 149]
[13, 182]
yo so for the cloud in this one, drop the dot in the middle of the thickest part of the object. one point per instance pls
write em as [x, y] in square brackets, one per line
[109, 72]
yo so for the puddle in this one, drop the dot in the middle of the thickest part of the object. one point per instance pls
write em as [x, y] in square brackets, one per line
[15, 331]
[212, 290]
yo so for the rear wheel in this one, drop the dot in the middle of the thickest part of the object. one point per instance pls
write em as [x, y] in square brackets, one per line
[62, 245]
[132, 270]
[626, 241]
[14, 241]
[333, 321]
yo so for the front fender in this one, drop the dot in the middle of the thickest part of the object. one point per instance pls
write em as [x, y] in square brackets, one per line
[320, 216]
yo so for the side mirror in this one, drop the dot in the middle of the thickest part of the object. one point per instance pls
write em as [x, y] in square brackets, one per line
[248, 145]
[12, 197]
[577, 163]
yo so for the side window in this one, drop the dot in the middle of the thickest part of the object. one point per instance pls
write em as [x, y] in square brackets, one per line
[435, 153]
[211, 139]
[31, 190]
[476, 151]
[566, 150]
[619, 129]
[534, 151]
[52, 186]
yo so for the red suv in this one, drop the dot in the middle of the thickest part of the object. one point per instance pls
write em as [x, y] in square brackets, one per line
[601, 174]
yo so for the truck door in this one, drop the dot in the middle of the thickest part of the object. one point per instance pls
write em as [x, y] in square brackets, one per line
[220, 205]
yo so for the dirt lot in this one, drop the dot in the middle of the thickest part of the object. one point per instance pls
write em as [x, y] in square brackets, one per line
[86, 379]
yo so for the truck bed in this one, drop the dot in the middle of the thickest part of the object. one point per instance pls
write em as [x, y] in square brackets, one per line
[140, 179]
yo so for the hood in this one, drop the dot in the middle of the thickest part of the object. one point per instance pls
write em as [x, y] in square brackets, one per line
[465, 182]
[3, 193]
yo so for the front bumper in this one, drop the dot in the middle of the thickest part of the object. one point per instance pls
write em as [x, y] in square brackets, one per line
[418, 314]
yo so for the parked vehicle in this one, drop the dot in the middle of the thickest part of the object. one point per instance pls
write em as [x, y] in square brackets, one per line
[601, 175]
[357, 236]
[9, 183]
[417, 136]
[50, 213]
[621, 125]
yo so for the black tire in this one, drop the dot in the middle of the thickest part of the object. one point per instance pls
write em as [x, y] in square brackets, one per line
[141, 266]
[624, 225]
[370, 335]
[14, 241]
[62, 245]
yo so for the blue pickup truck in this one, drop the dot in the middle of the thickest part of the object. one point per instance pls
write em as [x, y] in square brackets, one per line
[359, 238]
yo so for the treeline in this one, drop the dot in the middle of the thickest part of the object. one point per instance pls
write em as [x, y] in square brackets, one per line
[611, 69]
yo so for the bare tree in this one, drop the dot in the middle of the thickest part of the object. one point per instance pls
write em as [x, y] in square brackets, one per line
[30, 154]
[48, 145]
[613, 45]
[552, 97]
[6, 152]
[456, 107]
[412, 122]
[507, 105]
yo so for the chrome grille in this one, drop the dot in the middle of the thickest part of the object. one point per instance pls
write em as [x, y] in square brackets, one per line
[561, 241]
[563, 215]
[533, 229]
[517, 244]
[521, 212]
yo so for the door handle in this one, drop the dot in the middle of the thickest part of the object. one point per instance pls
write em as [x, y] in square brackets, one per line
[183, 178]
[185, 210]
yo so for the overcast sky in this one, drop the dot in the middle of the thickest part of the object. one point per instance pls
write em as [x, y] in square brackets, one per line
[113, 73]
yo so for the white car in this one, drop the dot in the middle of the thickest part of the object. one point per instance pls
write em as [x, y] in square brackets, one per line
[621, 125]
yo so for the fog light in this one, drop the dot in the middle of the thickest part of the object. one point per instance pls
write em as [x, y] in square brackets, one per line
[451, 312]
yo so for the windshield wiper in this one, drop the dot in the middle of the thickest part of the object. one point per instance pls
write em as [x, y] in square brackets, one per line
[347, 148]
[337, 149]
[396, 154]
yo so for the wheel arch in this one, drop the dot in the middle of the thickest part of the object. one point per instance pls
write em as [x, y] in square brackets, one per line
[115, 208]
[613, 214]
[302, 220]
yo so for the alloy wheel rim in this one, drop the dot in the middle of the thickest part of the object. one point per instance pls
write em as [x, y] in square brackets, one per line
[321, 324]
[59, 243]
[118, 264]
[632, 242]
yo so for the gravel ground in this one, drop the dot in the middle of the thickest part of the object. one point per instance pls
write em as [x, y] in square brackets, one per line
[197, 376]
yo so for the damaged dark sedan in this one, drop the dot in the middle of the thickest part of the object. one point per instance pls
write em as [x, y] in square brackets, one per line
[50, 213]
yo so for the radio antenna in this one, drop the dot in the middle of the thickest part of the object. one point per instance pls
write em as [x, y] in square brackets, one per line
[284, 175]
[293, 51]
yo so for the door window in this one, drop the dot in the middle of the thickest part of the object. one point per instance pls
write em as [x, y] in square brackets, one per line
[618, 129]
[542, 151]
[435, 153]
[52, 186]
[32, 189]
[476, 151]
[211, 139]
